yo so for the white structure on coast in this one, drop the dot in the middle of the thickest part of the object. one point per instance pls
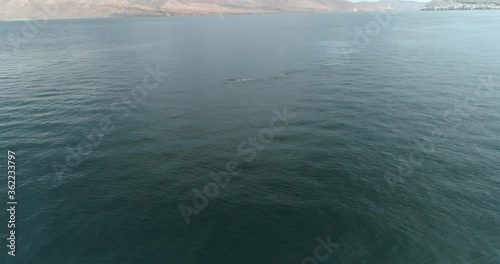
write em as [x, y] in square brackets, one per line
[462, 5]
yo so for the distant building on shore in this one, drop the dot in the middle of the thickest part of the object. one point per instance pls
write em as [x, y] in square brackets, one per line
[437, 5]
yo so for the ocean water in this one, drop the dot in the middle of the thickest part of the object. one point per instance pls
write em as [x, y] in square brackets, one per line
[384, 144]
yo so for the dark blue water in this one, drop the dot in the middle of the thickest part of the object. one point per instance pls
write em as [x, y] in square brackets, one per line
[384, 146]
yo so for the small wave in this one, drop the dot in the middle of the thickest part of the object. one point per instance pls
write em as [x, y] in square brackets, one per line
[248, 80]
[242, 80]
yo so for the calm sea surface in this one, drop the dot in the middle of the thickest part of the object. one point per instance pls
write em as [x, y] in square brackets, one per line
[391, 151]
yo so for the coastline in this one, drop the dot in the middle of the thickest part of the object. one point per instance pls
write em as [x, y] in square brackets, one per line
[56, 13]
[201, 15]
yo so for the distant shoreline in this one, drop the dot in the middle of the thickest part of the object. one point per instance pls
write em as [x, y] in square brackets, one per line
[471, 9]
[53, 12]
[457, 5]
[202, 15]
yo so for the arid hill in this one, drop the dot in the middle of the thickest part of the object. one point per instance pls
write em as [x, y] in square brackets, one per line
[29, 9]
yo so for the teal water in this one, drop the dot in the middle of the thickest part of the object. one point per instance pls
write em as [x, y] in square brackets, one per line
[391, 149]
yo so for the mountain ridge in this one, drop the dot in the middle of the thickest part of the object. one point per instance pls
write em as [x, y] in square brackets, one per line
[54, 9]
